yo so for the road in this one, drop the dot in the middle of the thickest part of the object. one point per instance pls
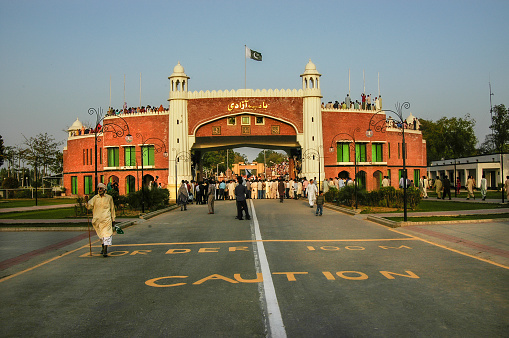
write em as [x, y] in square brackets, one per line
[188, 274]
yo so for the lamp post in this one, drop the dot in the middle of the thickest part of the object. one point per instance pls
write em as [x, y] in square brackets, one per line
[157, 149]
[309, 154]
[185, 155]
[381, 126]
[352, 137]
[217, 169]
[112, 127]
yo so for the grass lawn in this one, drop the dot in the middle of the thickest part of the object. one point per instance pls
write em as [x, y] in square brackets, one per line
[449, 218]
[27, 202]
[440, 205]
[61, 213]
[491, 194]
[429, 205]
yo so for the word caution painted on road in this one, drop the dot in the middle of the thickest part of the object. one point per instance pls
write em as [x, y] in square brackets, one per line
[295, 276]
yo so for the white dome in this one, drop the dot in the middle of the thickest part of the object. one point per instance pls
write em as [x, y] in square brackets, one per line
[76, 125]
[310, 69]
[178, 70]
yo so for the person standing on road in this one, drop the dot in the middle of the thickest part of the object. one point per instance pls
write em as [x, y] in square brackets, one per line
[506, 186]
[211, 193]
[103, 211]
[447, 187]
[439, 187]
[183, 196]
[320, 201]
[281, 189]
[484, 187]
[311, 192]
[470, 188]
[240, 196]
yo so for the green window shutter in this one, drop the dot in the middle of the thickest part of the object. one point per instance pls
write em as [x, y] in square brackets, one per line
[148, 155]
[360, 152]
[129, 156]
[343, 152]
[74, 185]
[88, 185]
[113, 160]
[377, 152]
[417, 175]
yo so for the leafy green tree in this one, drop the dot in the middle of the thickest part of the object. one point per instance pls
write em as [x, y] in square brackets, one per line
[449, 137]
[45, 150]
[1, 151]
[211, 159]
[498, 140]
[271, 155]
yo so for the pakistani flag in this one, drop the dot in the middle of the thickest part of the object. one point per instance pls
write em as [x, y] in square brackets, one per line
[252, 54]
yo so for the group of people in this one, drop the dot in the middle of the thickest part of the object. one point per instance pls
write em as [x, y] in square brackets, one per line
[134, 110]
[208, 191]
[366, 103]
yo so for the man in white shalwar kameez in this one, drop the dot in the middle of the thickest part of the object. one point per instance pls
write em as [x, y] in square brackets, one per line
[312, 192]
[103, 211]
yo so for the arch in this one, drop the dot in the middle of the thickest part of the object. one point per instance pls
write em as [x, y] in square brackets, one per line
[311, 83]
[377, 180]
[148, 180]
[130, 184]
[199, 125]
[114, 182]
[343, 174]
[361, 179]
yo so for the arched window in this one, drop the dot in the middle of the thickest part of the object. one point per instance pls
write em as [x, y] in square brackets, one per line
[130, 184]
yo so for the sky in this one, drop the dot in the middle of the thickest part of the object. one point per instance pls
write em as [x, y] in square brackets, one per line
[57, 57]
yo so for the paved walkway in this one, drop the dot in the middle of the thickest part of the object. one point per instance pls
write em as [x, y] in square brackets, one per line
[39, 207]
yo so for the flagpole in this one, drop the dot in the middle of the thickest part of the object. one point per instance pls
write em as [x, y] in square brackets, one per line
[378, 83]
[364, 81]
[124, 91]
[140, 89]
[245, 67]
[349, 83]
[110, 92]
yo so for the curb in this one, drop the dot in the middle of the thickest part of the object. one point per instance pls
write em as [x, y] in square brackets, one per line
[352, 212]
[394, 224]
[158, 212]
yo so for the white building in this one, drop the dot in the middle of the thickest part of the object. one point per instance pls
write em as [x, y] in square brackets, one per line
[476, 166]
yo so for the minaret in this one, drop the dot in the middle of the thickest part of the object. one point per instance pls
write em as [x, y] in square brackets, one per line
[178, 143]
[312, 146]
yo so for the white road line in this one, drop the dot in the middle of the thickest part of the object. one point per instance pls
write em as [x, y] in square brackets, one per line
[276, 327]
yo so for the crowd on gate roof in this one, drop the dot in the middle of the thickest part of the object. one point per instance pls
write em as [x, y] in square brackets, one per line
[136, 110]
[365, 103]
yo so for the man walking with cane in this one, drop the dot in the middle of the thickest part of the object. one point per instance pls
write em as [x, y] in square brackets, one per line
[103, 211]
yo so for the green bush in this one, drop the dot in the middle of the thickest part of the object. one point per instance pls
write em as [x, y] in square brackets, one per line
[154, 199]
[384, 197]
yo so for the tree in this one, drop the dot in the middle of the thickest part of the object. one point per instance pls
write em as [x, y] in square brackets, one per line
[44, 150]
[211, 159]
[498, 140]
[270, 155]
[449, 137]
[1, 151]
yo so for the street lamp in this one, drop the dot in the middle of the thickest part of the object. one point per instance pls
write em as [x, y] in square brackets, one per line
[157, 149]
[185, 156]
[309, 154]
[217, 169]
[112, 127]
[381, 126]
[352, 137]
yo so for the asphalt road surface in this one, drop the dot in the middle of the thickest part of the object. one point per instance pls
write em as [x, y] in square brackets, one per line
[285, 272]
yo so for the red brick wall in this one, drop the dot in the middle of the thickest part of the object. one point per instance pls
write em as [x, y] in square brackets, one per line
[149, 126]
[339, 122]
[236, 130]
[288, 109]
